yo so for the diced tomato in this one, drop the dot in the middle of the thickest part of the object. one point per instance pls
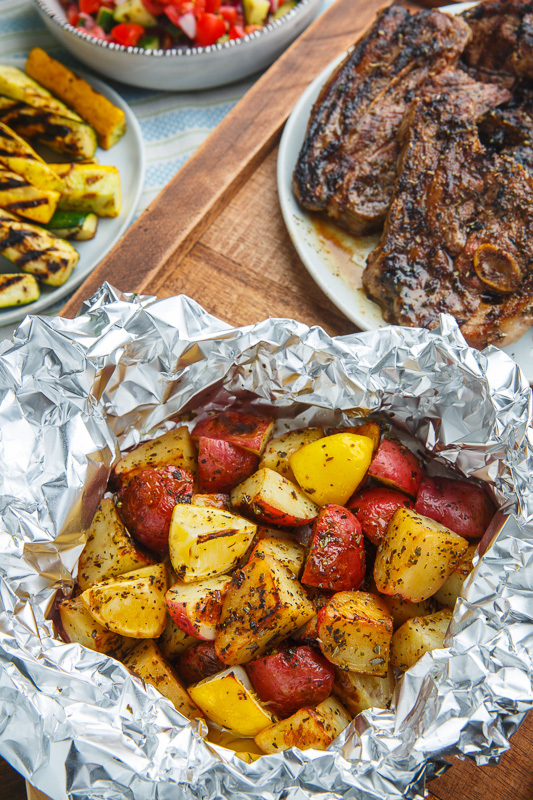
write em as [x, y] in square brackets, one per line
[212, 6]
[153, 6]
[127, 33]
[185, 6]
[229, 14]
[89, 6]
[210, 27]
[73, 14]
[236, 32]
[98, 33]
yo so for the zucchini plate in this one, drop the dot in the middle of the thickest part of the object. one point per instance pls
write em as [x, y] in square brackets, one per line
[35, 250]
[19, 196]
[18, 156]
[89, 187]
[72, 137]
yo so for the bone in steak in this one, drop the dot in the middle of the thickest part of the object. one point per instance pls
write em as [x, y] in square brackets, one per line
[347, 164]
[457, 236]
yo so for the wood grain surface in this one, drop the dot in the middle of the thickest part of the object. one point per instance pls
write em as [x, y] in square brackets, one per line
[216, 234]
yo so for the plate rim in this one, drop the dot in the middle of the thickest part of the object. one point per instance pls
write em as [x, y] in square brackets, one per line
[18, 313]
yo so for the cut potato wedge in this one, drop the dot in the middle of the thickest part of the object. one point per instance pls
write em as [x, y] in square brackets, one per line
[416, 556]
[273, 499]
[110, 550]
[355, 631]
[206, 542]
[308, 728]
[418, 636]
[264, 604]
[228, 699]
[358, 692]
[286, 551]
[278, 450]
[174, 447]
[196, 607]
[80, 627]
[450, 591]
[402, 610]
[132, 604]
[147, 661]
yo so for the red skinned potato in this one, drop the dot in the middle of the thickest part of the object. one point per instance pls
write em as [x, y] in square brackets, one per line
[147, 503]
[292, 679]
[374, 509]
[336, 558]
[243, 430]
[461, 506]
[199, 662]
[395, 466]
[196, 607]
[270, 498]
[222, 466]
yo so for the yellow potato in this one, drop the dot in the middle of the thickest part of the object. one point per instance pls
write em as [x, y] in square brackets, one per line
[132, 604]
[329, 470]
[229, 700]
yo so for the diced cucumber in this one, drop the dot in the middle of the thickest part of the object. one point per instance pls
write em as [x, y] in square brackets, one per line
[255, 11]
[105, 19]
[284, 9]
[150, 42]
[134, 11]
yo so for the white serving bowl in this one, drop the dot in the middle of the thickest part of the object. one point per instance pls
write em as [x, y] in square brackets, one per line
[185, 69]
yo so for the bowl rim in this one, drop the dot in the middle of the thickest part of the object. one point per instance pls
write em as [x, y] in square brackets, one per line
[244, 41]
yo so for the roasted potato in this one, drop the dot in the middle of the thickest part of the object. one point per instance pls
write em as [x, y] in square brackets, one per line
[308, 728]
[174, 447]
[222, 466]
[418, 636]
[196, 607]
[199, 662]
[395, 466]
[278, 451]
[272, 499]
[243, 430]
[374, 508]
[358, 692]
[461, 506]
[336, 557]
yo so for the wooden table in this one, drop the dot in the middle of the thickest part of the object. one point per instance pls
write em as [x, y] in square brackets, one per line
[216, 234]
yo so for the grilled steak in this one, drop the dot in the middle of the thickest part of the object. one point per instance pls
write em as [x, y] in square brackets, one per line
[502, 40]
[456, 238]
[347, 165]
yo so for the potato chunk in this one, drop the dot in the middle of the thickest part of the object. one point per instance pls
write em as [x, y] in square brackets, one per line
[173, 641]
[264, 604]
[174, 447]
[416, 556]
[278, 450]
[309, 727]
[228, 698]
[81, 628]
[274, 500]
[355, 630]
[110, 550]
[358, 692]
[206, 542]
[132, 604]
[147, 661]
[286, 551]
[450, 591]
[418, 636]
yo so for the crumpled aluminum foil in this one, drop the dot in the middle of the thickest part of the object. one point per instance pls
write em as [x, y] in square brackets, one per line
[77, 723]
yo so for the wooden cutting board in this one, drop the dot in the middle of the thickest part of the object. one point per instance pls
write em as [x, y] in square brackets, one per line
[216, 234]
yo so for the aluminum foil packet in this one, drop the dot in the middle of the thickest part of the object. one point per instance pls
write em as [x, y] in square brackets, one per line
[77, 723]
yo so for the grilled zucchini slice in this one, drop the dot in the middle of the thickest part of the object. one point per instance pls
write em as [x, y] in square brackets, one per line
[108, 121]
[89, 187]
[14, 83]
[75, 139]
[36, 251]
[19, 157]
[77, 225]
[18, 196]
[18, 290]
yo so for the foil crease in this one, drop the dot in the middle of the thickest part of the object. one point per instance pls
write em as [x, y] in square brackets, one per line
[72, 392]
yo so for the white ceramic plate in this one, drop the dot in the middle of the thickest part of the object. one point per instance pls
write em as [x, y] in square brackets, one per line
[334, 258]
[128, 156]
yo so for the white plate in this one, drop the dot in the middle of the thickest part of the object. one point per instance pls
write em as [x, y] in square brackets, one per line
[128, 156]
[334, 258]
